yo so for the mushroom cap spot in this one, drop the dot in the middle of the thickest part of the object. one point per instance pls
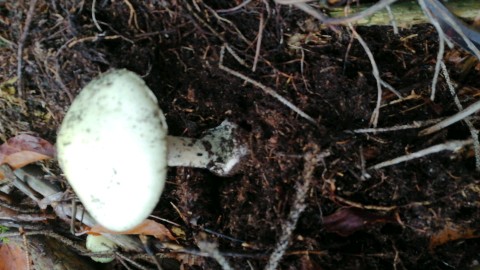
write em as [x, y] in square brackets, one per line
[112, 149]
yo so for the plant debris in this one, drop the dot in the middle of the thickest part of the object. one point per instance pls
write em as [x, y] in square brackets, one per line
[302, 83]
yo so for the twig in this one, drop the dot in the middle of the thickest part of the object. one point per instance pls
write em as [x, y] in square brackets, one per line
[95, 38]
[471, 127]
[132, 262]
[389, 87]
[441, 50]
[441, 46]
[20, 185]
[125, 265]
[145, 241]
[21, 43]
[376, 74]
[364, 206]
[213, 31]
[133, 14]
[221, 19]
[261, 26]
[266, 89]
[344, 20]
[416, 124]
[234, 8]
[8, 42]
[365, 174]
[212, 250]
[291, 2]
[94, 3]
[236, 56]
[221, 235]
[448, 146]
[392, 19]
[452, 119]
[74, 213]
[298, 207]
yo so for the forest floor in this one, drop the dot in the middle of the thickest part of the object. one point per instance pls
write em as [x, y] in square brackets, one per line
[423, 213]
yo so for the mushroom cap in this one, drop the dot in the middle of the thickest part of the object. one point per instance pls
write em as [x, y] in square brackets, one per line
[112, 149]
[99, 243]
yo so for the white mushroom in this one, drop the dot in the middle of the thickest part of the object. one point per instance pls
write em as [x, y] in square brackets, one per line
[113, 148]
[99, 243]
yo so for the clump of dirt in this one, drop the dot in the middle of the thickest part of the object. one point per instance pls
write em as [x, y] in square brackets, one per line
[420, 213]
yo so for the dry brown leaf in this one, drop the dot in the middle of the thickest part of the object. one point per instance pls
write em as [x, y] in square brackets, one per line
[147, 227]
[12, 257]
[452, 232]
[25, 149]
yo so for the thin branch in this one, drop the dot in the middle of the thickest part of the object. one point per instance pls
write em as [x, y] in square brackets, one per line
[448, 146]
[94, 3]
[261, 26]
[441, 45]
[365, 175]
[416, 124]
[376, 74]
[266, 89]
[344, 20]
[393, 21]
[234, 8]
[452, 119]
[212, 250]
[471, 127]
[21, 43]
[132, 262]
[298, 207]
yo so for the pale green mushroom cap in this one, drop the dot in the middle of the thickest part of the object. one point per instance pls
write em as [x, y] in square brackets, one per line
[111, 147]
[99, 243]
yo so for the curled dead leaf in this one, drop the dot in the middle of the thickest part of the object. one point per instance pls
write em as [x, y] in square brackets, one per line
[25, 149]
[452, 232]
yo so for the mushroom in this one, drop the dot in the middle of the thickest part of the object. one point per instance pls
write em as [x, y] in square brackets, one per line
[114, 150]
[99, 243]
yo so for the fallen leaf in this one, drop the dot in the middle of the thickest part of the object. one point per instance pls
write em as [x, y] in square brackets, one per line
[179, 233]
[25, 149]
[452, 232]
[346, 221]
[147, 227]
[12, 257]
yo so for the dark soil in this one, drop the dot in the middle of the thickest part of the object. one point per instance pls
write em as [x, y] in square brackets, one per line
[419, 214]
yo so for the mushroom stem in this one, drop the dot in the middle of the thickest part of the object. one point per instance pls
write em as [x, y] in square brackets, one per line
[219, 150]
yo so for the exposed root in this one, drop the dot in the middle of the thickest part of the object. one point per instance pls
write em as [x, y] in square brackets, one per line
[448, 146]
[298, 207]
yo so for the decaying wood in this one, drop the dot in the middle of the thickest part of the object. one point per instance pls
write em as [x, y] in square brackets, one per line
[409, 13]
